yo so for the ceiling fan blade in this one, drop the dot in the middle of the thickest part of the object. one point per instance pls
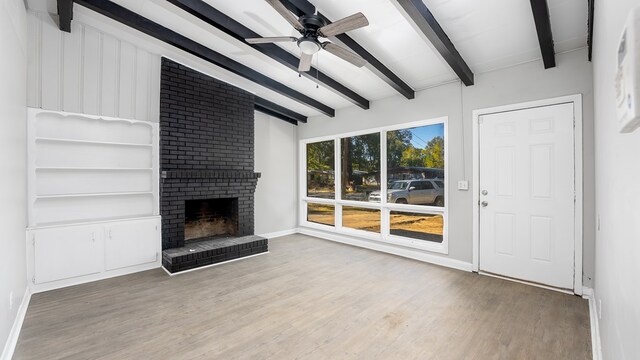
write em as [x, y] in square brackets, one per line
[349, 23]
[344, 54]
[305, 62]
[286, 14]
[267, 40]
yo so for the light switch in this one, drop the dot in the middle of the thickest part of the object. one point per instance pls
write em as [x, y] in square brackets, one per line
[463, 185]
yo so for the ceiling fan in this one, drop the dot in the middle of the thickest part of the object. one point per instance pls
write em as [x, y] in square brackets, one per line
[311, 27]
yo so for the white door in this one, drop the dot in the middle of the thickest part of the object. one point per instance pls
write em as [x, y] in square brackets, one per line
[527, 194]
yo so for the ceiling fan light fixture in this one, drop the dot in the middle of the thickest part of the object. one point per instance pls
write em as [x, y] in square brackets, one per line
[308, 46]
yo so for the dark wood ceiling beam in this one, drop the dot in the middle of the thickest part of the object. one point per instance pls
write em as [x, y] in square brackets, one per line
[542, 19]
[274, 114]
[224, 23]
[590, 30]
[302, 7]
[65, 14]
[281, 112]
[144, 25]
[429, 26]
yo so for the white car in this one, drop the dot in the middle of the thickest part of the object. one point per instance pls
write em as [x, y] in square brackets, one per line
[415, 192]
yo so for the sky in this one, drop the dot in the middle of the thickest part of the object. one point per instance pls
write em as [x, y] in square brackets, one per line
[422, 135]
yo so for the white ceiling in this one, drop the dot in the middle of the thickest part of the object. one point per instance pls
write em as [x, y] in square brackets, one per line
[489, 34]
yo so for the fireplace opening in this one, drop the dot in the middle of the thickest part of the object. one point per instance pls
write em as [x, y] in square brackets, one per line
[210, 218]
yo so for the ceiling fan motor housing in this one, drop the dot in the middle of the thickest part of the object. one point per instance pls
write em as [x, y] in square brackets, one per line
[309, 43]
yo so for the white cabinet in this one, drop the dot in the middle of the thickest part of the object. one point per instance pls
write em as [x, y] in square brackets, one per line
[131, 243]
[67, 255]
[62, 253]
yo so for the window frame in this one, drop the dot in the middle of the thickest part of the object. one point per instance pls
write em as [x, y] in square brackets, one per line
[385, 208]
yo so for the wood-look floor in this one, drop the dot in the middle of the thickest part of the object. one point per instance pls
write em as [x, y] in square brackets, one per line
[307, 299]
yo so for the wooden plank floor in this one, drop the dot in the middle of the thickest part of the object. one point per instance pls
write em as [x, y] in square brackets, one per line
[307, 299]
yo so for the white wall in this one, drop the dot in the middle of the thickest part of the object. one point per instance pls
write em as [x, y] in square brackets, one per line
[276, 158]
[520, 83]
[13, 149]
[90, 71]
[617, 196]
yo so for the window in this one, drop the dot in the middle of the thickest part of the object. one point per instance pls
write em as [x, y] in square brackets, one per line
[361, 219]
[417, 153]
[360, 166]
[321, 170]
[390, 187]
[321, 214]
[428, 227]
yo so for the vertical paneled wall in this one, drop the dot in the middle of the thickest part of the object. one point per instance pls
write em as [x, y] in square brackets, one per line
[88, 71]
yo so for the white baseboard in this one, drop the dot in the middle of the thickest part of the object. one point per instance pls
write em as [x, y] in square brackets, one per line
[276, 234]
[596, 347]
[12, 340]
[390, 249]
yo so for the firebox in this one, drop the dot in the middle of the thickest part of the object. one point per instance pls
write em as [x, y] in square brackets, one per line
[210, 218]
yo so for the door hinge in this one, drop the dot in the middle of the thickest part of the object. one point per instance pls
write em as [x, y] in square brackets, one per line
[33, 280]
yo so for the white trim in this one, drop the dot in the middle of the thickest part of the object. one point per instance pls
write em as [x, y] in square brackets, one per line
[212, 265]
[389, 248]
[14, 334]
[542, 286]
[384, 235]
[277, 234]
[577, 113]
[596, 345]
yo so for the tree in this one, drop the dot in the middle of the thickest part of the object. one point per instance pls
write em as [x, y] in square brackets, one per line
[397, 142]
[434, 153]
[412, 156]
[320, 155]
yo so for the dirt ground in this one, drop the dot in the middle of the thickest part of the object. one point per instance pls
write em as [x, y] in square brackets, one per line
[369, 220]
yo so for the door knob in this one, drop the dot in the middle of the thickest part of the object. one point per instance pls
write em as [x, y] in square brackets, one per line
[484, 192]
[484, 204]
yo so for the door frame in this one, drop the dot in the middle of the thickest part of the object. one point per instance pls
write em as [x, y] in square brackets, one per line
[576, 100]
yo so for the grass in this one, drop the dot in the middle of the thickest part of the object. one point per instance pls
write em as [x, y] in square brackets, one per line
[369, 219]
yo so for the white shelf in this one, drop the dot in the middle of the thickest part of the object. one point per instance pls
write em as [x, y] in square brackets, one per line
[75, 141]
[55, 168]
[66, 196]
[90, 168]
[63, 224]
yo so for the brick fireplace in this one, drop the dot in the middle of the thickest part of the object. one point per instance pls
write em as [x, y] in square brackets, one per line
[210, 218]
[206, 159]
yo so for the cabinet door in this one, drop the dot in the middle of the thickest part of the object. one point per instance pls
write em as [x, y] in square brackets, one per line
[131, 243]
[63, 253]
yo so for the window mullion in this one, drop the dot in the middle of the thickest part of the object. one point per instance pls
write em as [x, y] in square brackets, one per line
[384, 213]
[337, 180]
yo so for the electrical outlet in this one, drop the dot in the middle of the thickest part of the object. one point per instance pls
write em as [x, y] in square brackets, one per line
[11, 300]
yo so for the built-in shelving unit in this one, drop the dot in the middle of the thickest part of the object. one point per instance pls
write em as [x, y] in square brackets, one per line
[93, 198]
[89, 168]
